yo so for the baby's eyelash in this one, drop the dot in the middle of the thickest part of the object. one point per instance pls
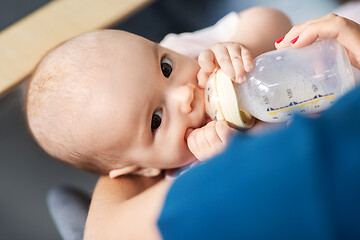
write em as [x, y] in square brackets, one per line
[156, 120]
[166, 66]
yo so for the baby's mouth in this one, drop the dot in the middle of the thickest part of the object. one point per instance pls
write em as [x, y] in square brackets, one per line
[207, 119]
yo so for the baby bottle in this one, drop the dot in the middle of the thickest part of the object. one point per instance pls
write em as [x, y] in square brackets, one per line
[283, 83]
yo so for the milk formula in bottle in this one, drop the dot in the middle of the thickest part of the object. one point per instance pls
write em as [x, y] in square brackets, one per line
[283, 83]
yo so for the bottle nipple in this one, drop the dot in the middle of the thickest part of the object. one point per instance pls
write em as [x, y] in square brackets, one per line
[221, 102]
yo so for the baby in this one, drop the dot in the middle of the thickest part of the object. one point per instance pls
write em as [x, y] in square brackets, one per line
[112, 102]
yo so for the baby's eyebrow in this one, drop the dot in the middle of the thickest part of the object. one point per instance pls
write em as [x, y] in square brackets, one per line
[155, 52]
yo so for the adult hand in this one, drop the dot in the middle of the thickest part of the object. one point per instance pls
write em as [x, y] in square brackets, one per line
[345, 31]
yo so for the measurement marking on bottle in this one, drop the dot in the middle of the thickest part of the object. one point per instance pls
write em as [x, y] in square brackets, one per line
[315, 88]
[289, 93]
[266, 99]
[299, 105]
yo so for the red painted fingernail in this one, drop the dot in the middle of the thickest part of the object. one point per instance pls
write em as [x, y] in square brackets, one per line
[294, 40]
[280, 40]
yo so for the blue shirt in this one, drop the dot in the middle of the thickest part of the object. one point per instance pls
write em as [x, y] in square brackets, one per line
[302, 182]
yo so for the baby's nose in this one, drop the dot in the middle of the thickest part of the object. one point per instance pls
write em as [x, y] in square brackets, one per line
[184, 96]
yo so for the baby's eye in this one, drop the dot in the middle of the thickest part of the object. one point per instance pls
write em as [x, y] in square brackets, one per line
[166, 66]
[156, 120]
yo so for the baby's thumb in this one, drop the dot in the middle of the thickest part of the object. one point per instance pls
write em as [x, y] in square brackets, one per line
[202, 78]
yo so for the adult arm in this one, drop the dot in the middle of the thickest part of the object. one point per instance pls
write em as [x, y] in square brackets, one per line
[301, 182]
[125, 208]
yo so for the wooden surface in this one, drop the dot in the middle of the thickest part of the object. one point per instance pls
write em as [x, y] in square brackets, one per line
[24, 43]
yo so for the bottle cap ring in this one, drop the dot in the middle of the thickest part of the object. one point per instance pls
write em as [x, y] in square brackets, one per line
[221, 102]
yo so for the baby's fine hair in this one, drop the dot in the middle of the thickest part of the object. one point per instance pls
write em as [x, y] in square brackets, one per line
[58, 91]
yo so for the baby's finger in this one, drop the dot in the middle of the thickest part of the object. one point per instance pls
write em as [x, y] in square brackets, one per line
[198, 144]
[202, 77]
[223, 59]
[207, 61]
[211, 134]
[203, 144]
[213, 138]
[224, 131]
[237, 62]
[247, 59]
[192, 144]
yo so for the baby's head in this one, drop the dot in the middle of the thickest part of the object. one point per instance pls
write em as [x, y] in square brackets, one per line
[112, 102]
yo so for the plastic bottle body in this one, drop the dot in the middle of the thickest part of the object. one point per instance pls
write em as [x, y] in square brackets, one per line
[289, 81]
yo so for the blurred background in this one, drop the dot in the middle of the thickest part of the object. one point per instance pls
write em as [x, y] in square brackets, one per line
[27, 173]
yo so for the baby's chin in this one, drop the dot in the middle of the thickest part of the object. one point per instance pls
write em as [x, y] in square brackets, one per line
[183, 160]
[190, 159]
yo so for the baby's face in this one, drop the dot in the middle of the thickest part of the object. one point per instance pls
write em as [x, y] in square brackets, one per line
[146, 104]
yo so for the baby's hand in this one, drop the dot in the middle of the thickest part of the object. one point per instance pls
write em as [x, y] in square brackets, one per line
[232, 58]
[209, 140]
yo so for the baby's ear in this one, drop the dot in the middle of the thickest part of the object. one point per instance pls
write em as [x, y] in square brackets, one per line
[122, 171]
[147, 172]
